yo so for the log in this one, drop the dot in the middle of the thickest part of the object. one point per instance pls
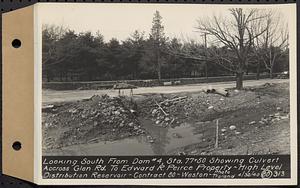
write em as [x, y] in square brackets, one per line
[173, 100]
[161, 108]
[222, 92]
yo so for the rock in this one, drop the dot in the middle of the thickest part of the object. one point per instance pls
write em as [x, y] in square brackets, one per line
[135, 127]
[130, 124]
[95, 123]
[236, 90]
[167, 119]
[132, 111]
[223, 130]
[49, 106]
[277, 114]
[181, 153]
[47, 125]
[221, 99]
[117, 113]
[252, 122]
[176, 135]
[279, 108]
[232, 127]
[237, 133]
[194, 152]
[72, 111]
[121, 125]
[261, 122]
[154, 111]
[210, 107]
[157, 122]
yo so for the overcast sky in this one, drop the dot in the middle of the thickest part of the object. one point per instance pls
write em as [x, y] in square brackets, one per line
[120, 20]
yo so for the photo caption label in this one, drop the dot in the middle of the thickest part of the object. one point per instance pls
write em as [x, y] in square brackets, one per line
[165, 167]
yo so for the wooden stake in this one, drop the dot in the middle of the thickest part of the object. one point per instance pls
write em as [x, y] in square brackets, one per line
[217, 133]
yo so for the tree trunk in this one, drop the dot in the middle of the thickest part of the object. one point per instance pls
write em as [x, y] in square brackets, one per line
[271, 73]
[48, 76]
[159, 71]
[239, 80]
[257, 71]
[61, 76]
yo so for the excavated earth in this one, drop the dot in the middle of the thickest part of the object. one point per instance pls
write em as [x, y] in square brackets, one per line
[250, 121]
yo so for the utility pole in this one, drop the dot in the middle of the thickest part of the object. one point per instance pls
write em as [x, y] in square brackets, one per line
[206, 58]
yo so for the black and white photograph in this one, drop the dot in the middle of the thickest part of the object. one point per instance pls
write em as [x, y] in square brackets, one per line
[162, 79]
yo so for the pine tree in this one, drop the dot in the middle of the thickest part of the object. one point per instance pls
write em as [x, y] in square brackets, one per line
[157, 35]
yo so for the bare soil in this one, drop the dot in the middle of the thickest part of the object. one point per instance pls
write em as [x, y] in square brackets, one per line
[250, 121]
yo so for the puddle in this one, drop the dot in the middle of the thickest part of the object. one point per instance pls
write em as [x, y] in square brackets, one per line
[165, 140]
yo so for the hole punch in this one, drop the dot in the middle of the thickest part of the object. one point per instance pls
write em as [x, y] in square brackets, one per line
[16, 43]
[17, 145]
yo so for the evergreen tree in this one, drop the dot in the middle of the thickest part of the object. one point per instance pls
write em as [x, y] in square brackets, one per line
[157, 36]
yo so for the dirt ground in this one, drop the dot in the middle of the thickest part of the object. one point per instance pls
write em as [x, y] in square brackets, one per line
[250, 121]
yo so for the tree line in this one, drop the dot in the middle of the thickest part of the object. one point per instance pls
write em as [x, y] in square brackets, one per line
[248, 43]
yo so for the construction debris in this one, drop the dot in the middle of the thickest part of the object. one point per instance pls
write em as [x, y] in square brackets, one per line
[161, 111]
[223, 92]
[103, 117]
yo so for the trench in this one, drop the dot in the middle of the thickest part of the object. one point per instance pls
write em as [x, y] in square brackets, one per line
[164, 140]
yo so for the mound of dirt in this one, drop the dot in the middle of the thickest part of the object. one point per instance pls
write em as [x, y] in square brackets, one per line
[171, 110]
[97, 118]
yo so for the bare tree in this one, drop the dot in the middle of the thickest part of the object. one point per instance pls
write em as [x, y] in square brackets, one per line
[273, 43]
[236, 36]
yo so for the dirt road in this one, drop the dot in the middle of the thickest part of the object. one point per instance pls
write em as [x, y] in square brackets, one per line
[52, 96]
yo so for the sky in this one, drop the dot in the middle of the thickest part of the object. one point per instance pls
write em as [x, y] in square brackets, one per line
[119, 20]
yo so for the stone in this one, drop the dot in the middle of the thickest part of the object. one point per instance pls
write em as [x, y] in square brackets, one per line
[117, 113]
[279, 108]
[252, 122]
[223, 130]
[232, 127]
[154, 111]
[210, 107]
[277, 114]
[176, 135]
[130, 124]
